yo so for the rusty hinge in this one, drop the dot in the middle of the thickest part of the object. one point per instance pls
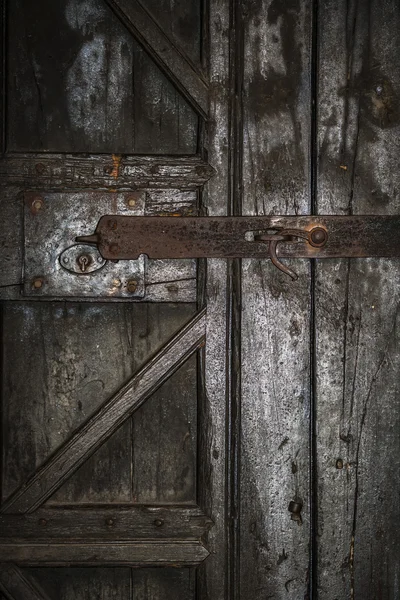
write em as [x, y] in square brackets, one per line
[127, 237]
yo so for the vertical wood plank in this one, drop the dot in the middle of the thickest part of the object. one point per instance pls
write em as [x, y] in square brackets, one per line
[357, 306]
[212, 493]
[275, 409]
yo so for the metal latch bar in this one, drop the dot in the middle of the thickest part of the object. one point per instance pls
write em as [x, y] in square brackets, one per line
[324, 236]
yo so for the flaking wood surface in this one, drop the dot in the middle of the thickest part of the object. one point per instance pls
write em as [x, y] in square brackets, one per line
[357, 307]
[274, 550]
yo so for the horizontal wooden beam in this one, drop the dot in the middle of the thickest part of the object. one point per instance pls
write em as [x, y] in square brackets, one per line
[60, 171]
[98, 428]
[171, 59]
[133, 523]
[107, 554]
[15, 585]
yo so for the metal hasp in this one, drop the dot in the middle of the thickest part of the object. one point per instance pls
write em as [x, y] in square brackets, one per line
[127, 237]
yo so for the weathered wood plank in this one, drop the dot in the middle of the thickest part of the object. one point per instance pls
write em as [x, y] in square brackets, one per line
[88, 522]
[117, 553]
[103, 171]
[171, 60]
[111, 415]
[275, 411]
[213, 583]
[17, 586]
[357, 306]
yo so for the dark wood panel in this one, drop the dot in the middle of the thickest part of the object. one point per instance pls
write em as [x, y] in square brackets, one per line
[89, 352]
[275, 409]
[357, 306]
[84, 584]
[181, 20]
[89, 87]
[157, 584]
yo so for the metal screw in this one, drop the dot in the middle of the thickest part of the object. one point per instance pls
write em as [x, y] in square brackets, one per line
[339, 463]
[37, 283]
[37, 203]
[131, 201]
[158, 522]
[131, 286]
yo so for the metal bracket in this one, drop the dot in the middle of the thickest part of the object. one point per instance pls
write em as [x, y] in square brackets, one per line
[127, 237]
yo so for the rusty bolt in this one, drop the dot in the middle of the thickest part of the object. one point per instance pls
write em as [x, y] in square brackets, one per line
[110, 522]
[37, 283]
[131, 201]
[318, 237]
[131, 286]
[40, 168]
[37, 204]
[339, 463]
[158, 522]
[42, 522]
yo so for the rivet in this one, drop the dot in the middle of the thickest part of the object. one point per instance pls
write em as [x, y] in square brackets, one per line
[131, 200]
[318, 236]
[37, 203]
[42, 522]
[158, 522]
[131, 286]
[37, 283]
[110, 522]
[116, 282]
[65, 260]
[339, 463]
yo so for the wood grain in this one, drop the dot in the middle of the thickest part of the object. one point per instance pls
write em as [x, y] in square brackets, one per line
[105, 553]
[357, 306]
[275, 409]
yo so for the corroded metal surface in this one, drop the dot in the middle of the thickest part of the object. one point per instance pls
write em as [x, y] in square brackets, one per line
[127, 237]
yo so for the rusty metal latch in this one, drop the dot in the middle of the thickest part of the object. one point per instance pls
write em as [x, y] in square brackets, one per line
[127, 237]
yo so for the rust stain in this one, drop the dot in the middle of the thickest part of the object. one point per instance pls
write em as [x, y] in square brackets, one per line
[116, 159]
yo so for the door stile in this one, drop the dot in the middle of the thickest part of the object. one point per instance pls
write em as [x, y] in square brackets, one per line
[212, 582]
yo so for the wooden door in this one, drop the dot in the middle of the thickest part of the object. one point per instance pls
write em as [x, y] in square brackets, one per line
[159, 418]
